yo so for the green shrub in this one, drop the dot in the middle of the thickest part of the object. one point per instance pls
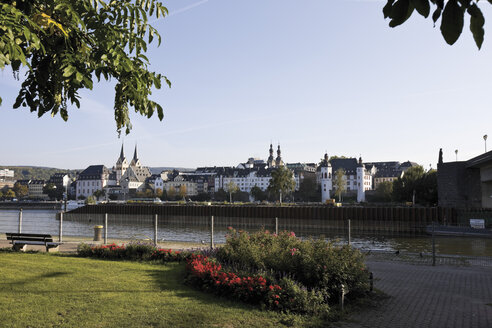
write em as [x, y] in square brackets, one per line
[316, 264]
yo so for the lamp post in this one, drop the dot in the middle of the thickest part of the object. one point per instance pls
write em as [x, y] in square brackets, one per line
[485, 139]
[456, 152]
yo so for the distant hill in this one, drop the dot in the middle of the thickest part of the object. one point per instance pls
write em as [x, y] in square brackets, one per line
[44, 173]
[36, 172]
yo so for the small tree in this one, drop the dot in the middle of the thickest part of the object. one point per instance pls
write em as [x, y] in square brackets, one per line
[10, 194]
[384, 191]
[282, 182]
[90, 200]
[339, 183]
[99, 193]
[258, 194]
[158, 193]
[231, 189]
[21, 191]
[171, 193]
[182, 191]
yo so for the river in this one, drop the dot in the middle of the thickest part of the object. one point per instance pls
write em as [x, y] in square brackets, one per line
[44, 221]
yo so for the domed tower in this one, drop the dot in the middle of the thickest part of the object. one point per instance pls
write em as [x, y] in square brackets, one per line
[121, 165]
[278, 160]
[326, 179]
[361, 182]
[271, 161]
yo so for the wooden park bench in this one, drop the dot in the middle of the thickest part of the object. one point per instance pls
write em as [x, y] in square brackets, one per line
[19, 241]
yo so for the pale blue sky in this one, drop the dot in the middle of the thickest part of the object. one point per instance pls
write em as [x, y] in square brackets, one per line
[314, 75]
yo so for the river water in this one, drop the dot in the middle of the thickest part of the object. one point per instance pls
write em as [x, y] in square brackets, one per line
[44, 221]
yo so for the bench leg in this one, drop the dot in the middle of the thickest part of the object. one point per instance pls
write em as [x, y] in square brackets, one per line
[19, 247]
[52, 249]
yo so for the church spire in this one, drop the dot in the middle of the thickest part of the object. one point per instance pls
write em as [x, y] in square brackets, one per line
[135, 161]
[122, 154]
[278, 160]
[135, 157]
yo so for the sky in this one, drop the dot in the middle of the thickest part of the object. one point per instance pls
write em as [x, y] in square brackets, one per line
[314, 76]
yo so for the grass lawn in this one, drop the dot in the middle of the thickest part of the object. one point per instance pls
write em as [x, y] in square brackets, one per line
[44, 290]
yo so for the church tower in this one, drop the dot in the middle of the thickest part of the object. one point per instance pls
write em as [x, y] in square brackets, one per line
[361, 190]
[135, 161]
[278, 160]
[271, 161]
[326, 179]
[121, 165]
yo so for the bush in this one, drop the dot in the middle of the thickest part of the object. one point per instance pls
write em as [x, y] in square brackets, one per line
[316, 264]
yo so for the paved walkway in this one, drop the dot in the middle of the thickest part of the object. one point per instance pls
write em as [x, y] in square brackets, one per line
[427, 296]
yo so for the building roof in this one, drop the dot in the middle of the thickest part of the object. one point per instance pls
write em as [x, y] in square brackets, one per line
[94, 172]
[349, 165]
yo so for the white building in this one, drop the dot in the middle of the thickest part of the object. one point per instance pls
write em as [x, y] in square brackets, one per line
[6, 175]
[357, 178]
[93, 178]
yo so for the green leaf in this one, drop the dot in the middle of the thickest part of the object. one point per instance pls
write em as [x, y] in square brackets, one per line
[79, 77]
[422, 7]
[476, 24]
[68, 71]
[436, 15]
[388, 8]
[402, 10]
[452, 22]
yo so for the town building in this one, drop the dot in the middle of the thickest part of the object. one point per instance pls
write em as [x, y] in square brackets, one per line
[92, 179]
[357, 178]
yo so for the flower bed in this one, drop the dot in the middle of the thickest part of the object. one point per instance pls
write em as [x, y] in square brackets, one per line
[208, 275]
[281, 272]
[132, 251]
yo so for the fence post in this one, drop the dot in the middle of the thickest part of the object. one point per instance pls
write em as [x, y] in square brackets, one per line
[212, 232]
[60, 229]
[155, 229]
[20, 220]
[105, 228]
[276, 226]
[348, 222]
[433, 244]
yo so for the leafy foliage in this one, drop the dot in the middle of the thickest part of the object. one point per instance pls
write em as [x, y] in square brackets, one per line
[339, 183]
[282, 181]
[451, 12]
[65, 44]
[315, 264]
[416, 179]
[134, 251]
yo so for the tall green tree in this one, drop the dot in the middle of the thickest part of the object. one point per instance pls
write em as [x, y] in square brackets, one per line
[416, 184]
[451, 13]
[384, 191]
[308, 191]
[339, 183]
[65, 44]
[282, 182]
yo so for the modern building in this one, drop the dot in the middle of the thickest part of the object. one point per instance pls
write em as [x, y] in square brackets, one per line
[35, 188]
[465, 184]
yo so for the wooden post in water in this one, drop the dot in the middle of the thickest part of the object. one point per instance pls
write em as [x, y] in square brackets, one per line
[276, 226]
[60, 229]
[155, 229]
[105, 228]
[212, 232]
[20, 220]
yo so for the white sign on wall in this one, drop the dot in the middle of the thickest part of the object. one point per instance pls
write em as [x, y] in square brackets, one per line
[477, 223]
